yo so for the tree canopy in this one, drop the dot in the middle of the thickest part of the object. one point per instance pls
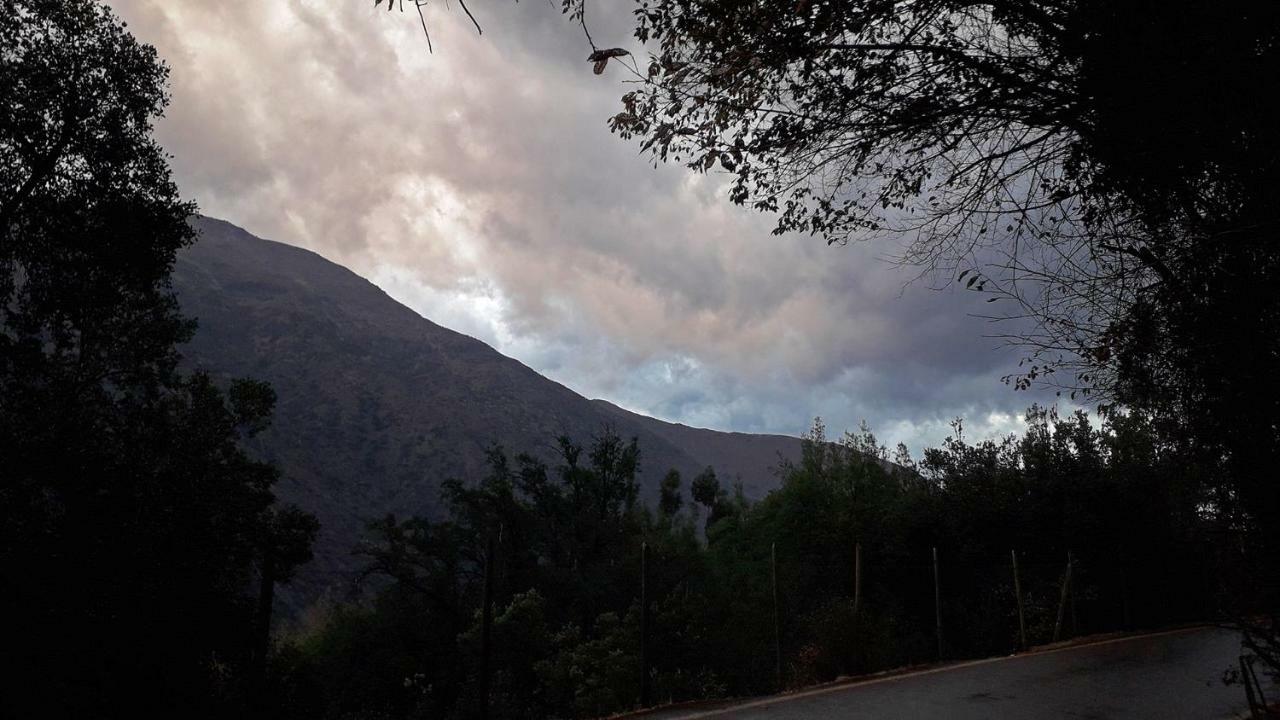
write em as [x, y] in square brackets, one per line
[1074, 157]
[1108, 173]
[133, 524]
[565, 565]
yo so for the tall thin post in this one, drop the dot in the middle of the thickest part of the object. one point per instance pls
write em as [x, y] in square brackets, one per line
[1124, 591]
[857, 579]
[266, 600]
[937, 601]
[1256, 706]
[1062, 601]
[486, 629]
[1017, 590]
[644, 625]
[1075, 622]
[1206, 588]
[777, 625]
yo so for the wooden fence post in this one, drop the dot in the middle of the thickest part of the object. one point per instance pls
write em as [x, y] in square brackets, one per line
[1062, 601]
[644, 625]
[1017, 591]
[777, 626]
[1075, 622]
[262, 642]
[486, 631]
[937, 601]
[857, 579]
[1125, 623]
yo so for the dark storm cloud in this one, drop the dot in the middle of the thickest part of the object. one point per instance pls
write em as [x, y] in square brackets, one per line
[480, 185]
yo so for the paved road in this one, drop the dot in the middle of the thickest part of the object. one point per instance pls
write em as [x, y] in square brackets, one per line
[1168, 676]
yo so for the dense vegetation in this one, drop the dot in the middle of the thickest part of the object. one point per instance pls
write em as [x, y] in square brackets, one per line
[135, 534]
[1108, 173]
[566, 572]
[139, 542]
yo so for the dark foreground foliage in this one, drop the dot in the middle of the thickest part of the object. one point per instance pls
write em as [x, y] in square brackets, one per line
[1107, 172]
[566, 566]
[133, 528]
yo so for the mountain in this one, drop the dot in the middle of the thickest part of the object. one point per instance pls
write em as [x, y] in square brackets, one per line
[377, 406]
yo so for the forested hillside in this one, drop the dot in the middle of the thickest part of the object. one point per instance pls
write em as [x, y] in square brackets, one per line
[853, 565]
[377, 406]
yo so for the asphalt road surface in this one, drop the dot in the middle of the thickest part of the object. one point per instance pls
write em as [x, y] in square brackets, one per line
[1170, 675]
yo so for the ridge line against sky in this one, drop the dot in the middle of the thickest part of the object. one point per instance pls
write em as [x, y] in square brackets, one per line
[480, 186]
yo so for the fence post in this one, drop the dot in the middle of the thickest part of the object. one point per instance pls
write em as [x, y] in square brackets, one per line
[777, 627]
[937, 601]
[1125, 623]
[1075, 623]
[1252, 688]
[486, 629]
[1206, 587]
[644, 625]
[1017, 591]
[262, 643]
[857, 579]
[1062, 601]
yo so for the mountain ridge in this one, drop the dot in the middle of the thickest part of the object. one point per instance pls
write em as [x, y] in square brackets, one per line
[378, 405]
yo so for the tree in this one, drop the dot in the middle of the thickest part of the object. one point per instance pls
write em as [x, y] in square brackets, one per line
[1063, 153]
[670, 500]
[1107, 172]
[566, 555]
[132, 522]
[707, 492]
[705, 488]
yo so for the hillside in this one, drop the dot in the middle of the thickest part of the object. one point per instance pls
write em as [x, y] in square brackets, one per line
[378, 405]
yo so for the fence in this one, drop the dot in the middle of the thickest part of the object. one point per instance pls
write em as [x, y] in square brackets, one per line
[858, 610]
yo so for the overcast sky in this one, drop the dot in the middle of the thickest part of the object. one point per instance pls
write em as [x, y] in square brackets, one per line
[480, 186]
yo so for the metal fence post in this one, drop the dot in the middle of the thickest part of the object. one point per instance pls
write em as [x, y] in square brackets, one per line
[262, 643]
[777, 626]
[1075, 622]
[1017, 590]
[857, 579]
[644, 625]
[1062, 601]
[937, 601]
[486, 631]
[1124, 589]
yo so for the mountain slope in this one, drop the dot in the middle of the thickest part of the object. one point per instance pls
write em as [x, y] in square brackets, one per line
[378, 406]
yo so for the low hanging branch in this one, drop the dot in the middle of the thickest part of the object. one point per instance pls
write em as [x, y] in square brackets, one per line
[576, 9]
[419, 4]
[990, 136]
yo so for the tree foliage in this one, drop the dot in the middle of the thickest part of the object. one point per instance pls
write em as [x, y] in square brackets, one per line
[133, 525]
[670, 500]
[1133, 508]
[1108, 173]
[1074, 157]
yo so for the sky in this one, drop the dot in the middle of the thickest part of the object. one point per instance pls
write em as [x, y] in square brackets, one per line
[479, 185]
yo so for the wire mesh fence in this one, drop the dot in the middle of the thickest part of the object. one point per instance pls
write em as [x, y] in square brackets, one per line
[803, 617]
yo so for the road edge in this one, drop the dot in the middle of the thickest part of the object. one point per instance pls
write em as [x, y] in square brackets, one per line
[729, 705]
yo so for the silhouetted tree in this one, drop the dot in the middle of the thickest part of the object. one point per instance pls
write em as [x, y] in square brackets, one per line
[670, 500]
[1134, 509]
[566, 557]
[132, 523]
[1067, 152]
[705, 488]
[1074, 157]
[707, 492]
[1110, 171]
